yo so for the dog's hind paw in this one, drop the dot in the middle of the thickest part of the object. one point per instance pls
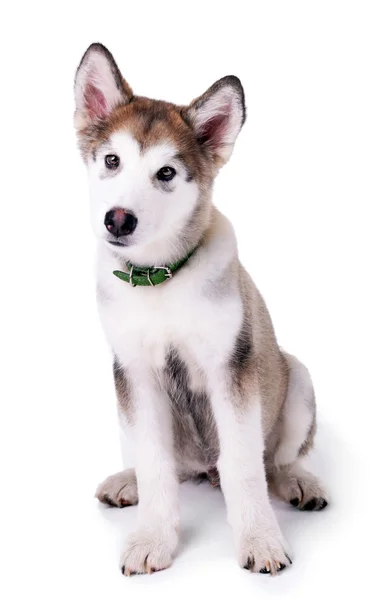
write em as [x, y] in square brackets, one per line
[119, 489]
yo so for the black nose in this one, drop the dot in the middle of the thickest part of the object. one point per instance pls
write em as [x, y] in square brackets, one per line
[120, 222]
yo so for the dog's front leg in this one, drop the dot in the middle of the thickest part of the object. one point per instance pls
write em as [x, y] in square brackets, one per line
[151, 547]
[237, 411]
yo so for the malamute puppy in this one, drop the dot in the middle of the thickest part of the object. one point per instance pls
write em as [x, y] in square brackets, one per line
[201, 382]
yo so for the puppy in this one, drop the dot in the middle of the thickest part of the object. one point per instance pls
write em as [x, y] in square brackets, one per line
[201, 382]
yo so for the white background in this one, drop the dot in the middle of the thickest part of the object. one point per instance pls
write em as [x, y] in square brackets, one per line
[306, 190]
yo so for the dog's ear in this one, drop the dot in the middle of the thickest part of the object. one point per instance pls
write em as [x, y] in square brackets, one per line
[99, 86]
[217, 117]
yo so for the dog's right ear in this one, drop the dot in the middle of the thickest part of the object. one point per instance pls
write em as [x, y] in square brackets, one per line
[99, 86]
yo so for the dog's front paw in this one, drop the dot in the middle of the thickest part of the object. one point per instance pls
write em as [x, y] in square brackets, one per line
[149, 550]
[261, 552]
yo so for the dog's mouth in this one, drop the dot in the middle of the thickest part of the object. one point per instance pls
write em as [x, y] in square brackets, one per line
[116, 243]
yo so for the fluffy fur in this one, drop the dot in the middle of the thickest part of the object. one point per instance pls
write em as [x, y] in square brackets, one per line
[200, 379]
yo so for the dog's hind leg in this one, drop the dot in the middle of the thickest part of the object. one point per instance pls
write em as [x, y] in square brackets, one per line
[297, 423]
[297, 427]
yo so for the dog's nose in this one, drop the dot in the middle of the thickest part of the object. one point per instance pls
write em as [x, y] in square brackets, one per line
[120, 222]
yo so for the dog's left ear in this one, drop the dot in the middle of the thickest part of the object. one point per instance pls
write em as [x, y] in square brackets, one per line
[217, 117]
[99, 86]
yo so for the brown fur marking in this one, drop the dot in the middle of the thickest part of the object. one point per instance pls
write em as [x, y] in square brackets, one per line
[151, 122]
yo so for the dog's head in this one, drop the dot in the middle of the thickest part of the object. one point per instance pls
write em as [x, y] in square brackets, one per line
[151, 164]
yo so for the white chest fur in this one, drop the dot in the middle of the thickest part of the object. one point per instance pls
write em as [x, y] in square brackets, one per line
[199, 311]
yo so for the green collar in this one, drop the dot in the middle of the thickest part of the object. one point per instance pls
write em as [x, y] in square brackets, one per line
[150, 276]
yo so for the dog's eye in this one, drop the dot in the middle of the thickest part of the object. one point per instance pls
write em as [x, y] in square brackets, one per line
[166, 174]
[112, 161]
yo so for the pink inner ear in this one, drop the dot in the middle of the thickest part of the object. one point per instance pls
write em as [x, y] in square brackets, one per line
[212, 131]
[95, 102]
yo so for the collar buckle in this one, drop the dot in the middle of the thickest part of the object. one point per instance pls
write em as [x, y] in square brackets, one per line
[168, 272]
